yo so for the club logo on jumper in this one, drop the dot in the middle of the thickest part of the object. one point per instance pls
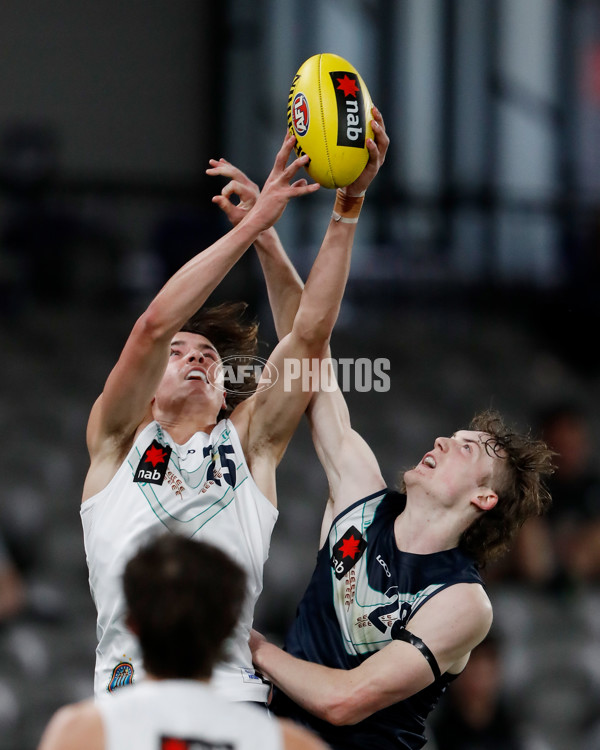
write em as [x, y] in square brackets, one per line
[347, 551]
[300, 114]
[176, 743]
[153, 465]
[350, 108]
[122, 674]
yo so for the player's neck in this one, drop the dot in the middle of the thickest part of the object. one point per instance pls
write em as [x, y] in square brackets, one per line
[422, 529]
[181, 427]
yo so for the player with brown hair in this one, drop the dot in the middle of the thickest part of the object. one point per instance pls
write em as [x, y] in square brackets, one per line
[175, 605]
[396, 601]
[165, 453]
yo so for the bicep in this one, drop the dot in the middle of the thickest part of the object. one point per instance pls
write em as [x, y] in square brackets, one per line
[276, 408]
[450, 628]
[453, 622]
[387, 677]
[130, 387]
[350, 465]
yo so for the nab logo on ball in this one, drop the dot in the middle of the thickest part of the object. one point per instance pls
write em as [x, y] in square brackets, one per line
[351, 109]
[300, 114]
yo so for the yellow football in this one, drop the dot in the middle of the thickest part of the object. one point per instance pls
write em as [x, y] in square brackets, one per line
[329, 112]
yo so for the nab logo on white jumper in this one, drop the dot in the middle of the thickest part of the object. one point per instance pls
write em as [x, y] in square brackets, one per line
[153, 464]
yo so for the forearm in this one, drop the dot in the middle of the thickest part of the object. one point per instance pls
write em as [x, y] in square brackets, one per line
[346, 696]
[284, 285]
[322, 296]
[317, 689]
[189, 288]
[324, 289]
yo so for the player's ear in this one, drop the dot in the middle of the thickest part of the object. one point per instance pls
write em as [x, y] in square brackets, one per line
[485, 499]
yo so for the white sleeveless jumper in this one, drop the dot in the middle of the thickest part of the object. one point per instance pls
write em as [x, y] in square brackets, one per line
[183, 715]
[203, 490]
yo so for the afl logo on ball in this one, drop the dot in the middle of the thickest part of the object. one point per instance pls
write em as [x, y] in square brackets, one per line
[300, 114]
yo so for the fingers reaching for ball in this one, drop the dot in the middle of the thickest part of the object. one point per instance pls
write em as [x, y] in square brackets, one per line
[377, 147]
[224, 168]
[279, 187]
[284, 172]
[239, 185]
[281, 160]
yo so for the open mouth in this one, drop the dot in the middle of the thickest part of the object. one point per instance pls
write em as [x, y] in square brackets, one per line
[429, 460]
[197, 375]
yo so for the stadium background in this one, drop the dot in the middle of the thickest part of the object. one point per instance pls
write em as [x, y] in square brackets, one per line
[475, 271]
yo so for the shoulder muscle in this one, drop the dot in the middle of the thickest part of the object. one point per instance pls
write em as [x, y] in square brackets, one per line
[453, 622]
[74, 727]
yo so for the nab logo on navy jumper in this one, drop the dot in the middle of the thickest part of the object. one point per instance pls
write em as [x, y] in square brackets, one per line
[347, 551]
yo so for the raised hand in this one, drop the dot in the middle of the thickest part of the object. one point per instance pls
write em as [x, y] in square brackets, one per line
[265, 208]
[239, 185]
[377, 150]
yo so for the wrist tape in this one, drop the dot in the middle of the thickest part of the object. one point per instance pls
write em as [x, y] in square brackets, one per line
[347, 207]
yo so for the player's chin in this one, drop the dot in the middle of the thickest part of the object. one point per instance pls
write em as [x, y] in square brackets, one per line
[413, 475]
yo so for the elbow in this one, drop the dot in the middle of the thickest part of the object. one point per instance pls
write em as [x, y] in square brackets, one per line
[356, 702]
[339, 717]
[153, 325]
[340, 710]
[313, 335]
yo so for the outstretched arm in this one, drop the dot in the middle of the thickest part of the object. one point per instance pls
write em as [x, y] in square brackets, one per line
[284, 285]
[267, 420]
[350, 465]
[130, 387]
